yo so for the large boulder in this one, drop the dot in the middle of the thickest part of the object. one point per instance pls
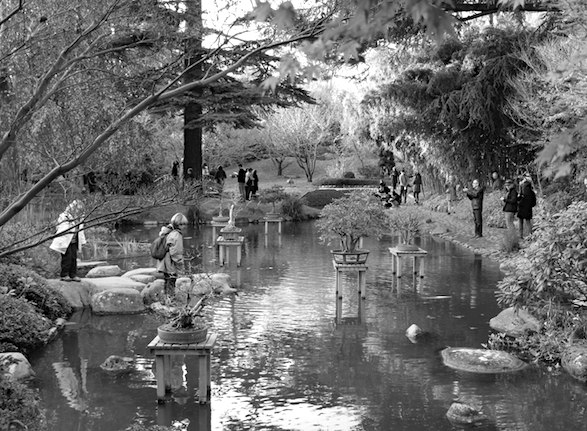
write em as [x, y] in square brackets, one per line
[78, 295]
[104, 271]
[118, 300]
[107, 283]
[16, 366]
[481, 361]
[143, 278]
[143, 271]
[153, 292]
[515, 322]
[211, 283]
[574, 360]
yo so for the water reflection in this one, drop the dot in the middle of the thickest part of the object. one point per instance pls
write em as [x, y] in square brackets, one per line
[283, 362]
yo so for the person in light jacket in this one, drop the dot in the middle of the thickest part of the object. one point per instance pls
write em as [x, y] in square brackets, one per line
[72, 239]
[172, 264]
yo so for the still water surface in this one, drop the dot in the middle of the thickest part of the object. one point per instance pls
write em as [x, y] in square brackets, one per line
[281, 362]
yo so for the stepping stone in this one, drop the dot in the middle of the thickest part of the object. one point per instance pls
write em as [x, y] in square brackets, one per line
[481, 360]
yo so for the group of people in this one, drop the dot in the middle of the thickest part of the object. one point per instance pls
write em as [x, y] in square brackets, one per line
[248, 183]
[517, 201]
[400, 179]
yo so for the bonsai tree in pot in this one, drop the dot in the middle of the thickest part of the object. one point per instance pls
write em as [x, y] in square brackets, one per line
[272, 196]
[348, 219]
[407, 223]
[187, 325]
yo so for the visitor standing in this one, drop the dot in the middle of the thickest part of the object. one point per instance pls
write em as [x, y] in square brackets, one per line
[417, 187]
[240, 177]
[403, 186]
[175, 169]
[394, 178]
[475, 195]
[496, 182]
[510, 203]
[205, 171]
[526, 201]
[248, 183]
[451, 193]
[255, 184]
[172, 264]
[220, 177]
[70, 224]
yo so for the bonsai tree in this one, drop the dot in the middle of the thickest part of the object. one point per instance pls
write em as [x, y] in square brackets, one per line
[405, 221]
[187, 318]
[273, 195]
[349, 218]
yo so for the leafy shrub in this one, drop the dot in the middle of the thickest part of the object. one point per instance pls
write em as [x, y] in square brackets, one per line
[19, 406]
[29, 285]
[341, 182]
[493, 210]
[320, 198]
[348, 174]
[510, 241]
[293, 207]
[369, 171]
[21, 324]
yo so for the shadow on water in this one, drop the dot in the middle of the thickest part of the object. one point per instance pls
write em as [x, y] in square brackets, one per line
[283, 363]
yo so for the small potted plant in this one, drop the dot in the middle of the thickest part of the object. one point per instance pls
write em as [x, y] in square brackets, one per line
[348, 219]
[407, 223]
[272, 196]
[186, 326]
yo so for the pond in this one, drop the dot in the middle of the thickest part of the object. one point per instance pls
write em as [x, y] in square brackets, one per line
[282, 363]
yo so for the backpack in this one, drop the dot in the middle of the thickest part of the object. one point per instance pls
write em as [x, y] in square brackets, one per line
[159, 247]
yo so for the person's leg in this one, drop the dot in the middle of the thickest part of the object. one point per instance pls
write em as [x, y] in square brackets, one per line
[521, 227]
[169, 285]
[509, 220]
[480, 223]
[66, 260]
[73, 262]
[477, 221]
[529, 226]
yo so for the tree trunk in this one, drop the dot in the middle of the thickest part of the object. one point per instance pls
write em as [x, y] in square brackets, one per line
[192, 135]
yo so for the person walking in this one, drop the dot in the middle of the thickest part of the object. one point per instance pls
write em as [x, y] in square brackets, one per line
[70, 225]
[451, 193]
[526, 201]
[475, 195]
[403, 185]
[248, 183]
[510, 203]
[220, 177]
[255, 186]
[240, 177]
[394, 178]
[172, 264]
[417, 187]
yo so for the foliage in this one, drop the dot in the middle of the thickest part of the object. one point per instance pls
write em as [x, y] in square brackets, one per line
[369, 171]
[350, 218]
[407, 221]
[21, 324]
[348, 174]
[273, 194]
[293, 207]
[321, 198]
[554, 287]
[558, 256]
[510, 241]
[26, 284]
[19, 406]
[187, 317]
[341, 182]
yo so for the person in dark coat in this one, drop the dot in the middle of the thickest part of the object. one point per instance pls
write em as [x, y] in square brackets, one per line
[240, 178]
[475, 195]
[220, 177]
[526, 201]
[417, 187]
[255, 185]
[510, 203]
[394, 178]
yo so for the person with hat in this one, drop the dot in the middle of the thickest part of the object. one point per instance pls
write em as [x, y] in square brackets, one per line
[510, 203]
